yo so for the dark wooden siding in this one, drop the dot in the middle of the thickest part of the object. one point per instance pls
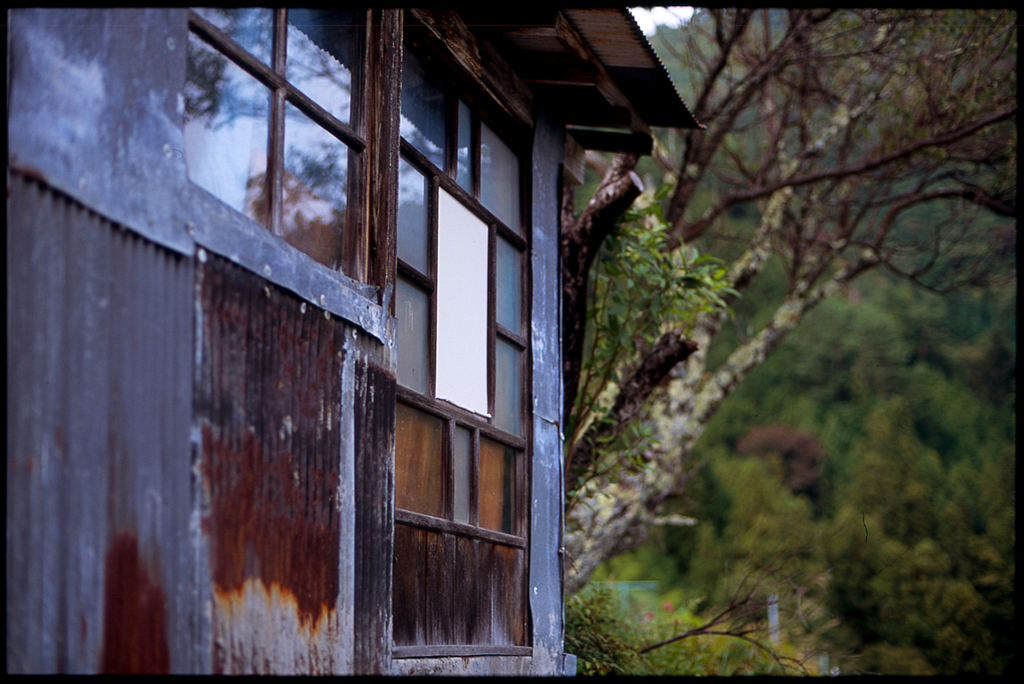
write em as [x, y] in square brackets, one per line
[100, 570]
[451, 590]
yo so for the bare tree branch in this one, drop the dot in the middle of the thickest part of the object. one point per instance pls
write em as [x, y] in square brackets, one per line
[835, 127]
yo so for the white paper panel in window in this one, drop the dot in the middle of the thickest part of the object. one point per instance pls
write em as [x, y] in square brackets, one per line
[461, 306]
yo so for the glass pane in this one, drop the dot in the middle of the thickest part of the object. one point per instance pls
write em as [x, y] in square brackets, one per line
[419, 466]
[461, 306]
[499, 178]
[412, 217]
[315, 175]
[508, 404]
[463, 473]
[412, 310]
[464, 156]
[508, 287]
[423, 111]
[251, 28]
[323, 57]
[497, 487]
[226, 128]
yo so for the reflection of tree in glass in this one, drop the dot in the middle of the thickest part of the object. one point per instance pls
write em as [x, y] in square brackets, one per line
[217, 91]
[309, 222]
[249, 27]
[321, 171]
[203, 81]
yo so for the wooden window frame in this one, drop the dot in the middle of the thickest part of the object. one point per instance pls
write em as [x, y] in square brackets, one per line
[452, 415]
[357, 242]
[444, 179]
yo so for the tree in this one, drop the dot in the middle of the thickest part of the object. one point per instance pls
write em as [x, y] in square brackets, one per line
[858, 139]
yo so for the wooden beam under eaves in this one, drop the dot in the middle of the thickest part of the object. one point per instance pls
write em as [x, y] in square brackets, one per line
[575, 43]
[613, 141]
[488, 71]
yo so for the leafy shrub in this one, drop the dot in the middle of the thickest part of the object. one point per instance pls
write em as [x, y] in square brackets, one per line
[599, 637]
[607, 642]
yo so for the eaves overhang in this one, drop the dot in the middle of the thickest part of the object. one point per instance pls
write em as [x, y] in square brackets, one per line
[594, 65]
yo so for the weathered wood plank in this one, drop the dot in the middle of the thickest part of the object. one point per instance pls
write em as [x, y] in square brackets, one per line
[409, 603]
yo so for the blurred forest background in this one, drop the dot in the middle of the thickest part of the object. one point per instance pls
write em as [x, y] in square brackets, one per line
[851, 504]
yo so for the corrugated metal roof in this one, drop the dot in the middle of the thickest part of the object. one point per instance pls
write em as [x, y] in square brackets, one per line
[583, 59]
[622, 47]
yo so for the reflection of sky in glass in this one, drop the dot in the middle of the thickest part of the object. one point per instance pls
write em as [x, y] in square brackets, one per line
[320, 58]
[225, 125]
[507, 287]
[507, 397]
[315, 157]
[412, 308]
[251, 28]
[422, 122]
[315, 165]
[464, 163]
[463, 467]
[499, 178]
[412, 217]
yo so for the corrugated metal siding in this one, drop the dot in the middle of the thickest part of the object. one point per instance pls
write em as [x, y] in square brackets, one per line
[100, 573]
[373, 416]
[269, 405]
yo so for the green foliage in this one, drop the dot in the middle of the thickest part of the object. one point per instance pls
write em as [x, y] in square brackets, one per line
[640, 290]
[911, 395]
[917, 572]
[917, 524]
[597, 635]
[608, 641]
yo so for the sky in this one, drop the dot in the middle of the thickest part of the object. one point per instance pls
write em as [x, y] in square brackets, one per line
[667, 16]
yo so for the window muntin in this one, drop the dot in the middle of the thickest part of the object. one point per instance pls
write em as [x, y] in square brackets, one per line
[271, 112]
[467, 259]
[251, 27]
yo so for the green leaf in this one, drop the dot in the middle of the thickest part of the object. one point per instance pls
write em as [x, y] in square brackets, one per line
[663, 191]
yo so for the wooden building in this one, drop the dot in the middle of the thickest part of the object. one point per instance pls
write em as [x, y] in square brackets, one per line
[283, 332]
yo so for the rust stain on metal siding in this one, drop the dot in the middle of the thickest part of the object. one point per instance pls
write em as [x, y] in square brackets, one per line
[266, 525]
[270, 407]
[134, 613]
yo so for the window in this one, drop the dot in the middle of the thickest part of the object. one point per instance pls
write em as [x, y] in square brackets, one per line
[461, 442]
[272, 121]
